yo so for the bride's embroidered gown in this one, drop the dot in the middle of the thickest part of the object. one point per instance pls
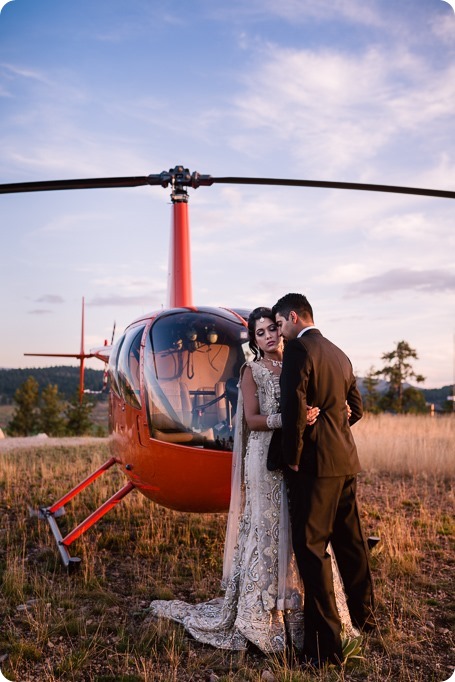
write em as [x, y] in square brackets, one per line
[263, 599]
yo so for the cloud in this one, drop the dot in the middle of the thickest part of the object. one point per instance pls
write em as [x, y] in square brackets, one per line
[424, 281]
[50, 298]
[333, 110]
[411, 226]
[11, 71]
[332, 10]
[37, 311]
[298, 12]
[443, 28]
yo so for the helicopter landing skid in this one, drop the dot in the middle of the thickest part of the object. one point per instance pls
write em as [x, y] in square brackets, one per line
[70, 562]
[57, 509]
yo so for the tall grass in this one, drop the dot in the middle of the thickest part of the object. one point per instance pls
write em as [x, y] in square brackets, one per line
[93, 625]
[407, 444]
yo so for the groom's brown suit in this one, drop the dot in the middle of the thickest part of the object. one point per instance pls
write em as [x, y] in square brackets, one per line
[323, 492]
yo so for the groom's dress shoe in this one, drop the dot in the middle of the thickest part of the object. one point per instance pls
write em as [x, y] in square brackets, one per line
[365, 625]
[317, 663]
[365, 621]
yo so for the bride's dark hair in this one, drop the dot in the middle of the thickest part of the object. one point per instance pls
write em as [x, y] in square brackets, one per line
[255, 315]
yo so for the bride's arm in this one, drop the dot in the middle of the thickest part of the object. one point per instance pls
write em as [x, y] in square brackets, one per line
[255, 420]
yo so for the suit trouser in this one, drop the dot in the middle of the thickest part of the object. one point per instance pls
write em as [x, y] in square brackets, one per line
[325, 510]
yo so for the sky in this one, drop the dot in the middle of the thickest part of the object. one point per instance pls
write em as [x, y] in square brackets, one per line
[339, 90]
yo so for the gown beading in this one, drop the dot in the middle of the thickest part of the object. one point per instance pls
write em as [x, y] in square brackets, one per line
[263, 593]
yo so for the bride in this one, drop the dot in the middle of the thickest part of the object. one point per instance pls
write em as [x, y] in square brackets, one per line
[263, 593]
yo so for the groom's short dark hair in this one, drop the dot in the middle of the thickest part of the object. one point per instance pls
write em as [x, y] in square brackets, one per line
[297, 302]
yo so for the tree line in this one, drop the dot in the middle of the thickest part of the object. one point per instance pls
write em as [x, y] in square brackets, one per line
[66, 377]
[48, 412]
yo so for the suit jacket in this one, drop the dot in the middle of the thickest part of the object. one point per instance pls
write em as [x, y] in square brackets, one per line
[317, 373]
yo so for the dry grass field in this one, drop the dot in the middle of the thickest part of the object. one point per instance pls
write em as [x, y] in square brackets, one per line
[92, 625]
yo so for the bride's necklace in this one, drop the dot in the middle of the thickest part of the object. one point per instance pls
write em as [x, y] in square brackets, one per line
[274, 363]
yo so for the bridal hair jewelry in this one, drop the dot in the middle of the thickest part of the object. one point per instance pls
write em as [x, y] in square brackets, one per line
[261, 319]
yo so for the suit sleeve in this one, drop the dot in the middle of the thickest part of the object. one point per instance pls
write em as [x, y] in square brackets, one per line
[355, 402]
[294, 382]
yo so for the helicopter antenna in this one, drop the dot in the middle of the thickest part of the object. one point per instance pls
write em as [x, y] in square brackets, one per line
[106, 368]
[82, 355]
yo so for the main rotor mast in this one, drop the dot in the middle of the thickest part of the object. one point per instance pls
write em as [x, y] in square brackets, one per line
[180, 287]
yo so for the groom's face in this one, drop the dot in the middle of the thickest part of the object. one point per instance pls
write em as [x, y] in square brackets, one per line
[287, 328]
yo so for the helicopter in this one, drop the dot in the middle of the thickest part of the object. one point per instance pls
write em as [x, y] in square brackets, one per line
[173, 373]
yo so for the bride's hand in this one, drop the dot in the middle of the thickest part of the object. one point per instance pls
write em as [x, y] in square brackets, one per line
[311, 414]
[349, 410]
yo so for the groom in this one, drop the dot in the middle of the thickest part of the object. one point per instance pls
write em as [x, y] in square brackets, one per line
[322, 464]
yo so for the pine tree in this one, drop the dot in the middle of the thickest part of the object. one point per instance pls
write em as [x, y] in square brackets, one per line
[396, 373]
[24, 421]
[371, 397]
[51, 419]
[414, 401]
[78, 417]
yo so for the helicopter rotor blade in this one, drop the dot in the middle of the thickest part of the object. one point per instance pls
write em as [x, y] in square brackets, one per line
[368, 187]
[88, 183]
[180, 177]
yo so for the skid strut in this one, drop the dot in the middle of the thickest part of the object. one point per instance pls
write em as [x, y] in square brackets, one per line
[50, 513]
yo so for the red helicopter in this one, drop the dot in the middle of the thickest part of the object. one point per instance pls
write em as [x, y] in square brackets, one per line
[174, 372]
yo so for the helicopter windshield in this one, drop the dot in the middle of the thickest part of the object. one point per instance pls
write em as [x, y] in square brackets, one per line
[191, 368]
[128, 367]
[112, 367]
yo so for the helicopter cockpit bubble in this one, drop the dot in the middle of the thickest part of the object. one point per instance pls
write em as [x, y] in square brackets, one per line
[190, 355]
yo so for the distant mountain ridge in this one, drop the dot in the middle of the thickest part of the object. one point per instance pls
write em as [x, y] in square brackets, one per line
[436, 396]
[66, 378]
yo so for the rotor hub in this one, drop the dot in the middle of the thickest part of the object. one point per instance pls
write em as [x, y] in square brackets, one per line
[179, 178]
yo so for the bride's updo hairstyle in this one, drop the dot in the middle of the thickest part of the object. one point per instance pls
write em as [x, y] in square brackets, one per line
[255, 315]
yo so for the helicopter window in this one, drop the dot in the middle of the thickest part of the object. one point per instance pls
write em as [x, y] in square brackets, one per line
[112, 368]
[192, 364]
[128, 367]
